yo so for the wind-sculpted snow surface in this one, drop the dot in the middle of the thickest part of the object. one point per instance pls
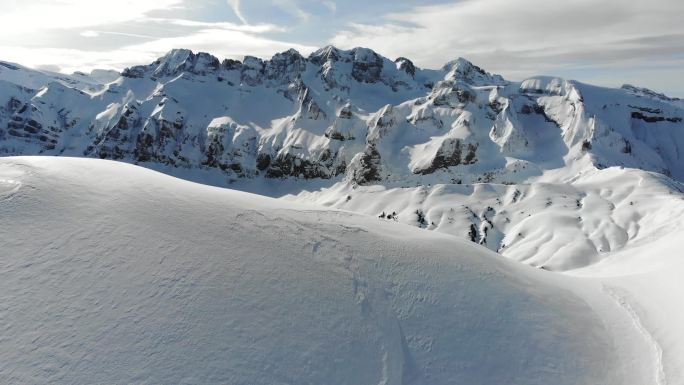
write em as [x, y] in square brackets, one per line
[115, 274]
[111, 273]
[549, 224]
[504, 163]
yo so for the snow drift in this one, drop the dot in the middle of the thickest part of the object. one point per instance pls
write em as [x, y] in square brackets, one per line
[111, 273]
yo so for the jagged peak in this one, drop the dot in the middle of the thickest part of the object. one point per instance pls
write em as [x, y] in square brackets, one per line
[176, 54]
[550, 85]
[332, 53]
[174, 62]
[465, 70]
[289, 52]
[405, 65]
[363, 54]
[252, 61]
[286, 57]
[327, 53]
[181, 59]
[461, 64]
[368, 66]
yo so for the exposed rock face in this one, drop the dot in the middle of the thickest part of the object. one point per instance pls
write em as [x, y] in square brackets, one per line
[115, 141]
[654, 118]
[451, 94]
[366, 66]
[253, 70]
[381, 124]
[308, 106]
[338, 113]
[40, 122]
[286, 165]
[230, 146]
[176, 62]
[285, 67]
[345, 112]
[406, 65]
[452, 153]
[366, 168]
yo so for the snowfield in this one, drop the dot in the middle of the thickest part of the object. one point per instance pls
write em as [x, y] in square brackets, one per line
[558, 224]
[112, 273]
[550, 172]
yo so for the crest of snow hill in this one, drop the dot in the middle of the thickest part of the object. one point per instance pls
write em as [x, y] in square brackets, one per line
[339, 115]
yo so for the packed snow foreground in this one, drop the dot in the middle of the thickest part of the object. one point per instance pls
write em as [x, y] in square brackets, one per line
[112, 273]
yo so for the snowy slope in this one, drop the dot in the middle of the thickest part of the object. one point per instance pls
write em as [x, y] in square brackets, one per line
[110, 273]
[551, 224]
[36, 79]
[341, 114]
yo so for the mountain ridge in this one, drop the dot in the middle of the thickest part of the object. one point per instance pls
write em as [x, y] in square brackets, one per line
[333, 101]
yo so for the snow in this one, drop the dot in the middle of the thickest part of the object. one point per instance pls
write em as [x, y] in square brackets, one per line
[540, 137]
[558, 225]
[151, 279]
[111, 273]
[35, 79]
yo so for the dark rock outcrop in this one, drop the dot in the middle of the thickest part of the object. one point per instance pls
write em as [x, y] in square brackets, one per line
[366, 167]
[406, 65]
[450, 154]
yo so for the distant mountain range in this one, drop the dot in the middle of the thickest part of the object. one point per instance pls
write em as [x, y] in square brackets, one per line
[344, 123]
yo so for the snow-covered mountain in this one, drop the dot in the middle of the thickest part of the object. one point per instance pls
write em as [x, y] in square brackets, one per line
[456, 149]
[111, 273]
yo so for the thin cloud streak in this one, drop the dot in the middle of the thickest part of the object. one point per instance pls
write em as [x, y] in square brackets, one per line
[235, 6]
[292, 8]
[94, 34]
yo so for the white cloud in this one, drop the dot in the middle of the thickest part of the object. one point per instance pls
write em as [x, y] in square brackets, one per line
[253, 28]
[235, 5]
[223, 39]
[92, 33]
[70, 60]
[516, 38]
[221, 42]
[18, 18]
[291, 7]
[524, 37]
[330, 5]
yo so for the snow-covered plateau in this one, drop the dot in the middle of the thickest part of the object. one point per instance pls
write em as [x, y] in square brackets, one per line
[556, 210]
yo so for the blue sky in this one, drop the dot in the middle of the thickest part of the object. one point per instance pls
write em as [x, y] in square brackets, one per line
[607, 42]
